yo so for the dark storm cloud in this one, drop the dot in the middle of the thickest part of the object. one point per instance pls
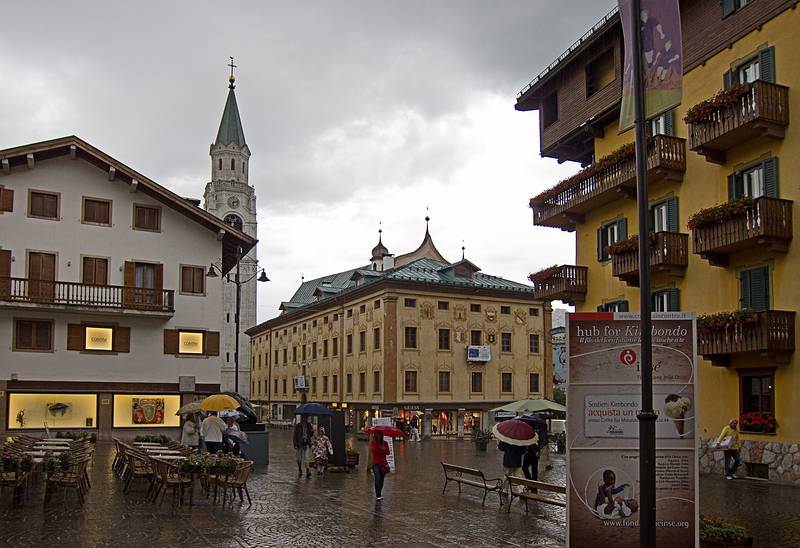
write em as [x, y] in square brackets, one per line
[146, 82]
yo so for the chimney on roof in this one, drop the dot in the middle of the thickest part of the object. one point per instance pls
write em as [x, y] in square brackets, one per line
[388, 262]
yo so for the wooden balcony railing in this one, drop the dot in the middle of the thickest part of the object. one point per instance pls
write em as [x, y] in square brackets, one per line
[669, 253]
[565, 283]
[42, 292]
[762, 111]
[771, 335]
[767, 225]
[588, 189]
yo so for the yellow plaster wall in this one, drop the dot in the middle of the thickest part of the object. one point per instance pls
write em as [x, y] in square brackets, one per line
[707, 289]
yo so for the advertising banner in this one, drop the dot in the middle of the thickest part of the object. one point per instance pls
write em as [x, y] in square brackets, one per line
[604, 397]
[662, 58]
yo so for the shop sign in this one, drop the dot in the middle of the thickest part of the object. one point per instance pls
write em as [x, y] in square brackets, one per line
[411, 407]
[479, 353]
[605, 396]
[299, 382]
[190, 343]
[105, 401]
[186, 383]
[99, 338]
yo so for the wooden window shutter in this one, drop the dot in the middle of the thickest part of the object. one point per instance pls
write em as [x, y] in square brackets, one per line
[186, 279]
[122, 339]
[759, 288]
[171, 345]
[5, 271]
[728, 7]
[6, 199]
[766, 64]
[129, 281]
[600, 253]
[622, 230]
[771, 177]
[158, 283]
[673, 299]
[211, 343]
[623, 306]
[76, 337]
[669, 122]
[672, 215]
[727, 79]
[744, 289]
[735, 186]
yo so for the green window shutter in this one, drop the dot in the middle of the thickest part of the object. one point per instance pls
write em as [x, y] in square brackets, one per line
[622, 228]
[766, 64]
[672, 215]
[727, 79]
[673, 299]
[651, 218]
[601, 308]
[771, 177]
[759, 288]
[600, 253]
[728, 7]
[669, 122]
[744, 289]
[623, 306]
[735, 186]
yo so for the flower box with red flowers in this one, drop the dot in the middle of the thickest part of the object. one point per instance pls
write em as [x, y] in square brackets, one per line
[759, 422]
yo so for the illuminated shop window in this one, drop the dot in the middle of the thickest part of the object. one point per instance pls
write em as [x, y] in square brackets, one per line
[190, 342]
[146, 410]
[99, 338]
[54, 411]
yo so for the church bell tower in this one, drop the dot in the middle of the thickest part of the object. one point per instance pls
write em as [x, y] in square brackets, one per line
[230, 197]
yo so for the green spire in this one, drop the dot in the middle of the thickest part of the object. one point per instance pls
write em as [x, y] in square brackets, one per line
[230, 128]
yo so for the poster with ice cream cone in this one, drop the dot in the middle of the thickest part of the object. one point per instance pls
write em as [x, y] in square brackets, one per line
[604, 397]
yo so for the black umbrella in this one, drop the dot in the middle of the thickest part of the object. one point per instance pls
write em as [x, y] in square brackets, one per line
[312, 409]
[538, 424]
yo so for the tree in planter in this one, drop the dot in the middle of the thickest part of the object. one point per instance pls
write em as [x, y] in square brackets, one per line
[481, 438]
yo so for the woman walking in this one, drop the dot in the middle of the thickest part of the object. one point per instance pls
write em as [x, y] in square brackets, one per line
[322, 449]
[379, 449]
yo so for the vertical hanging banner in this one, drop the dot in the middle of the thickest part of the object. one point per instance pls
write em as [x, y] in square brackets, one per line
[662, 58]
[603, 431]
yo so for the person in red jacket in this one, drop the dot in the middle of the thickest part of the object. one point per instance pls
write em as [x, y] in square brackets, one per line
[379, 449]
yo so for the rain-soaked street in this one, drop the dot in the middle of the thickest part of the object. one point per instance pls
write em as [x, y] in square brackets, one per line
[340, 510]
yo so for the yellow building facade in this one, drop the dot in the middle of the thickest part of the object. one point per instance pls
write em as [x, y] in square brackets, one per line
[735, 158]
[391, 339]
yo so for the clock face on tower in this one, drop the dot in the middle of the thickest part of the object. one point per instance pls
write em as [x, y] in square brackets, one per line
[233, 202]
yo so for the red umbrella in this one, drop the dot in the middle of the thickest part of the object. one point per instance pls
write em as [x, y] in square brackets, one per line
[515, 432]
[388, 431]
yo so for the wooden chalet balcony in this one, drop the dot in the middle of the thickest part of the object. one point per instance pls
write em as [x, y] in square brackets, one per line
[563, 283]
[669, 253]
[772, 335]
[24, 292]
[768, 224]
[762, 111]
[565, 206]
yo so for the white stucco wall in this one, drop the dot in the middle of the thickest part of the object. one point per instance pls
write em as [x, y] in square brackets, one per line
[181, 241]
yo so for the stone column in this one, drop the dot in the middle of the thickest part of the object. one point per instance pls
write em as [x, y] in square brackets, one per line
[426, 424]
[105, 417]
[460, 422]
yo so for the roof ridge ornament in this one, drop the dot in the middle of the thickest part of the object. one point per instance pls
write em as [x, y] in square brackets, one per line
[232, 77]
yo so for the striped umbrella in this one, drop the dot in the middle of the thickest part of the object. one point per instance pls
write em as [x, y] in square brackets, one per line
[515, 432]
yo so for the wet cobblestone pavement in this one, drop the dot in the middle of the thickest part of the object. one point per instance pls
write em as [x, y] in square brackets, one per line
[340, 510]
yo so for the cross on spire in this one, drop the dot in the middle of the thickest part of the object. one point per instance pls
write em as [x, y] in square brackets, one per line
[231, 78]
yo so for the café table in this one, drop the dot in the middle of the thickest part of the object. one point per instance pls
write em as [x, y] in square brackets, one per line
[163, 452]
[54, 440]
[51, 448]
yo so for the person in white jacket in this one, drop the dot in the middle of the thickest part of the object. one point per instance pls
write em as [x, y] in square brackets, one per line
[211, 431]
[189, 434]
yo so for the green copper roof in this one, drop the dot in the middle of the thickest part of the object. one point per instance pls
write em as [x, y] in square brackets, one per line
[230, 128]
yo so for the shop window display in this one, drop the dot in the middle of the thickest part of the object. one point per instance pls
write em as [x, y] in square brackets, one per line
[146, 410]
[54, 411]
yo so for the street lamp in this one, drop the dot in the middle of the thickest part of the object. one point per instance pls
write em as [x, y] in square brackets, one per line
[262, 277]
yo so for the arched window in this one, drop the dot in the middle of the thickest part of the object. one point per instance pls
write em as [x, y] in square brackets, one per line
[233, 164]
[234, 220]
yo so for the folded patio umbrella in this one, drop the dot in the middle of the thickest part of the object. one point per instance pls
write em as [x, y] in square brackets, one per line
[531, 405]
[515, 432]
[218, 402]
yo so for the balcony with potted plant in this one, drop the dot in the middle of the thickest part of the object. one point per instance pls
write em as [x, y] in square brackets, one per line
[565, 283]
[768, 333]
[669, 254]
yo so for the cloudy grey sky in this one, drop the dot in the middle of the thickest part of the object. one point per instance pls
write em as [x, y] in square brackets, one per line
[355, 111]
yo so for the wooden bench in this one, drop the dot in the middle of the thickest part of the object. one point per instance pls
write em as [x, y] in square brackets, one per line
[528, 494]
[473, 477]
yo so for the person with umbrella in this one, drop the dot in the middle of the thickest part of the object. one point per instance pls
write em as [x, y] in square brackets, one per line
[322, 449]
[379, 449]
[190, 436]
[301, 441]
[211, 431]
[514, 436]
[229, 435]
